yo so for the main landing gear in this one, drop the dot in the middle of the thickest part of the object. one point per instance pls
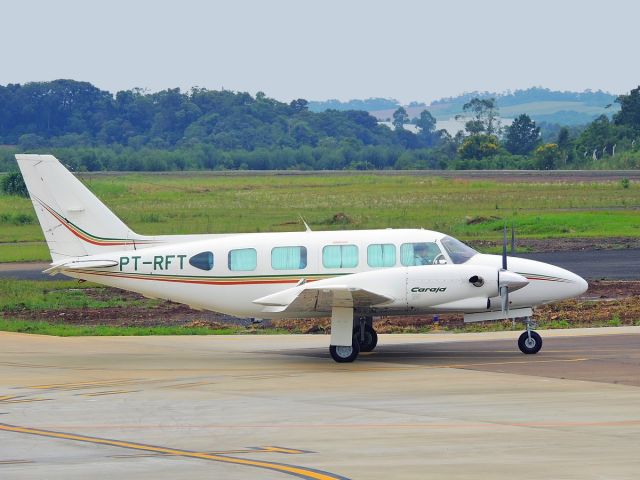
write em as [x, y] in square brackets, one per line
[361, 334]
[365, 334]
[530, 342]
[345, 354]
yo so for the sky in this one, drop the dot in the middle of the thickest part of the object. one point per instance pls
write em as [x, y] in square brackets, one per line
[410, 50]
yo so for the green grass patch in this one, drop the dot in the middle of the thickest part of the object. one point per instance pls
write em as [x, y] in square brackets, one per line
[18, 295]
[205, 203]
[30, 252]
[66, 330]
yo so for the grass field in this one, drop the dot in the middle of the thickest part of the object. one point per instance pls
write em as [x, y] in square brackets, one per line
[466, 208]
[66, 330]
[34, 295]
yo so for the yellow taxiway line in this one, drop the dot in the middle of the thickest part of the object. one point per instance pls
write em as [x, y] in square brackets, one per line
[278, 467]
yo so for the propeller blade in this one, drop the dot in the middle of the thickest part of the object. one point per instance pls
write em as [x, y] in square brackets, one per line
[509, 281]
[513, 240]
[504, 248]
[504, 300]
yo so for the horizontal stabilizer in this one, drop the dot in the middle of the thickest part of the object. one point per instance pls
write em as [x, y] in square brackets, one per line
[80, 265]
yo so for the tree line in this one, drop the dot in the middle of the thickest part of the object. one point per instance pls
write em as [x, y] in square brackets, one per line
[92, 129]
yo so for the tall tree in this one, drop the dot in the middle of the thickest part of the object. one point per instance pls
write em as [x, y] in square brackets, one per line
[629, 113]
[485, 118]
[299, 105]
[400, 117]
[428, 134]
[565, 144]
[426, 122]
[522, 135]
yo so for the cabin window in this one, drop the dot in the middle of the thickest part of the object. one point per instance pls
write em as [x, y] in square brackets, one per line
[381, 255]
[423, 253]
[340, 256]
[243, 260]
[289, 258]
[202, 260]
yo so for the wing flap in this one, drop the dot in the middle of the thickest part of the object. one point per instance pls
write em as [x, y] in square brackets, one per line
[310, 298]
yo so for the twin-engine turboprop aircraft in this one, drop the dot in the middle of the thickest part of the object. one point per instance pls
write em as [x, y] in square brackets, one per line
[349, 275]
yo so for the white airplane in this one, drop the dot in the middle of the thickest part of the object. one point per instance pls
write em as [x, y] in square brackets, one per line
[350, 275]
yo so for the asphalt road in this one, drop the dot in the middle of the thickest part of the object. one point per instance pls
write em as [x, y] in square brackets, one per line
[595, 264]
[592, 265]
[269, 407]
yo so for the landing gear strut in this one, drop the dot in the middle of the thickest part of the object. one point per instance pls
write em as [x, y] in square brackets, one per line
[530, 342]
[365, 334]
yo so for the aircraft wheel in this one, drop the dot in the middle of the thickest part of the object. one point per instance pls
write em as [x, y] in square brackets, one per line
[370, 338]
[344, 354]
[530, 345]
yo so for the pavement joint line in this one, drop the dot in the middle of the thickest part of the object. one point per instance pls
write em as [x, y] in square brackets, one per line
[111, 392]
[80, 385]
[483, 424]
[466, 365]
[188, 385]
[462, 365]
[301, 472]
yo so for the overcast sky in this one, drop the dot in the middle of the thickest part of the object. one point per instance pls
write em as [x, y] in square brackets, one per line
[409, 50]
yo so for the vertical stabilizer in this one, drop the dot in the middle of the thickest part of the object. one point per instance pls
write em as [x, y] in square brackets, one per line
[73, 220]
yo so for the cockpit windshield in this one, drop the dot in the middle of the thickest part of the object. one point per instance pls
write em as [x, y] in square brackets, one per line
[458, 251]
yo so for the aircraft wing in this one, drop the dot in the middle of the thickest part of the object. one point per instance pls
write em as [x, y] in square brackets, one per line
[310, 298]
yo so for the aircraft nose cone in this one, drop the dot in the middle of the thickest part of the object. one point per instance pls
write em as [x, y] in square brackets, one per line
[582, 285]
[512, 280]
[575, 286]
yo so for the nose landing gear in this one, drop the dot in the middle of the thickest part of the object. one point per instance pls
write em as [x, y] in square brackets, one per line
[530, 342]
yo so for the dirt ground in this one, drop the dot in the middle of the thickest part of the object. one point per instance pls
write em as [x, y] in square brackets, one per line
[604, 303]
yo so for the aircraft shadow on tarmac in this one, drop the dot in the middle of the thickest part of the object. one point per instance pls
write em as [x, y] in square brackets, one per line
[598, 358]
[429, 353]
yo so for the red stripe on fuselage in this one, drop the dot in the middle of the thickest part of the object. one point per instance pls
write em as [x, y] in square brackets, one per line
[196, 281]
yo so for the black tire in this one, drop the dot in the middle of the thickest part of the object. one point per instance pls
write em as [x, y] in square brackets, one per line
[370, 338]
[345, 354]
[530, 346]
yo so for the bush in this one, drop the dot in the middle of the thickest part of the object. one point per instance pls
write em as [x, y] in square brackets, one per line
[479, 147]
[548, 156]
[13, 184]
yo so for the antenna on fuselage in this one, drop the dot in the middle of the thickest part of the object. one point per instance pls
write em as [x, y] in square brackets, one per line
[306, 227]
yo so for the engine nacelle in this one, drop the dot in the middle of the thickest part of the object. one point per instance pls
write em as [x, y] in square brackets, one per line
[436, 285]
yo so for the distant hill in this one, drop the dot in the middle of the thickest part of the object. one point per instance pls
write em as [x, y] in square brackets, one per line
[541, 104]
[368, 105]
